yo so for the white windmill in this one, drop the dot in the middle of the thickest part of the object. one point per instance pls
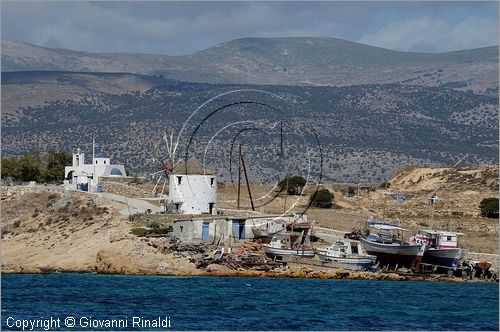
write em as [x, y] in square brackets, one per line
[166, 168]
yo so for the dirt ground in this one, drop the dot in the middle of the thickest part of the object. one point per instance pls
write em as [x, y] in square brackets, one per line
[49, 228]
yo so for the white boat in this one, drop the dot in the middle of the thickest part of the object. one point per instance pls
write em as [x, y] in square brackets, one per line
[442, 247]
[348, 254]
[389, 246]
[268, 230]
[288, 244]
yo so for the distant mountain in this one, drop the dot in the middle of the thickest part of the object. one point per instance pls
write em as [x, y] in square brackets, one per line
[35, 88]
[366, 131]
[287, 61]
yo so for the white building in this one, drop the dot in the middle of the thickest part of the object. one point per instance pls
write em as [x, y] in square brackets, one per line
[192, 189]
[230, 229]
[81, 175]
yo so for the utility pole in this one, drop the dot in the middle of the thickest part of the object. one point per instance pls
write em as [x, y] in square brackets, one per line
[93, 162]
[239, 178]
[286, 193]
[246, 179]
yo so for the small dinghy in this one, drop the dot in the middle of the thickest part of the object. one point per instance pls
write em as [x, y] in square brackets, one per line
[348, 254]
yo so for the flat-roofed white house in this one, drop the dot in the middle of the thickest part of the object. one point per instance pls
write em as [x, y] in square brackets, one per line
[192, 189]
[81, 176]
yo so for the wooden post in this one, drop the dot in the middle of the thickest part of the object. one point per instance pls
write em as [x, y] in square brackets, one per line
[286, 193]
[239, 178]
[246, 179]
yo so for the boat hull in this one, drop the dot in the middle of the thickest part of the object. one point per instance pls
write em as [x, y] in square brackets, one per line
[392, 254]
[364, 263]
[444, 257]
[273, 252]
[262, 233]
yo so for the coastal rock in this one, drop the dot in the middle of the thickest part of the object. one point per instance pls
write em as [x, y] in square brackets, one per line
[117, 236]
[393, 277]
[111, 262]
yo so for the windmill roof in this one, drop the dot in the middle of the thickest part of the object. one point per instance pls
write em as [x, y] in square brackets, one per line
[191, 167]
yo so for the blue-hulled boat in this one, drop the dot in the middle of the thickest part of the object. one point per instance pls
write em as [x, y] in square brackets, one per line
[390, 248]
[442, 247]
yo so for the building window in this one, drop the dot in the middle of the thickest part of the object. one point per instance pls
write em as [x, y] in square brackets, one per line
[179, 179]
[104, 162]
[212, 181]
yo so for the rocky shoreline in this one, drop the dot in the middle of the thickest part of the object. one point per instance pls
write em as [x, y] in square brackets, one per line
[304, 273]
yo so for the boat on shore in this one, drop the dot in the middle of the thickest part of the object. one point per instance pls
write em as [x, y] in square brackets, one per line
[289, 244]
[390, 248]
[348, 254]
[442, 247]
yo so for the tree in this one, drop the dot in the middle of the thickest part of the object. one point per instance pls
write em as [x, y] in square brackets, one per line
[292, 184]
[55, 163]
[29, 168]
[33, 167]
[322, 198]
[489, 207]
[385, 185]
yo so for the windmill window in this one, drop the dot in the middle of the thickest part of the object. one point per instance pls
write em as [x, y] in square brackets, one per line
[96, 161]
[104, 162]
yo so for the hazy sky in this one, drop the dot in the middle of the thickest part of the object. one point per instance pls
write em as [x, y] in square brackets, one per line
[180, 28]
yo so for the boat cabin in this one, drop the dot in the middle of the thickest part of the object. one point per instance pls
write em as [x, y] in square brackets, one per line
[290, 240]
[344, 248]
[386, 233]
[438, 239]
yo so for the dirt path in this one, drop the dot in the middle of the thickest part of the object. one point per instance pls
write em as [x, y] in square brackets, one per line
[130, 205]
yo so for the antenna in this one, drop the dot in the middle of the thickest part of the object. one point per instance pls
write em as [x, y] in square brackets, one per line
[458, 162]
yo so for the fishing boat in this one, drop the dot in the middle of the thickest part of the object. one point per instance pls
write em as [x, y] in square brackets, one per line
[289, 244]
[348, 254]
[267, 229]
[390, 248]
[442, 247]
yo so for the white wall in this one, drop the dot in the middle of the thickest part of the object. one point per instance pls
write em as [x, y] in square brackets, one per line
[190, 231]
[102, 161]
[194, 192]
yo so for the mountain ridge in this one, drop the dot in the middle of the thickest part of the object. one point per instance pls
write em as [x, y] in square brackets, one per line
[282, 61]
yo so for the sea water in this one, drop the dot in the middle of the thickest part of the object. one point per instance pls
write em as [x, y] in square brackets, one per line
[214, 303]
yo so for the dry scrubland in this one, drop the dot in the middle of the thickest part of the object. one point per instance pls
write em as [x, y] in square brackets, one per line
[45, 228]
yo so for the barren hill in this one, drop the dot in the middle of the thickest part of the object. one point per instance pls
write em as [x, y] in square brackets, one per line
[289, 61]
[453, 179]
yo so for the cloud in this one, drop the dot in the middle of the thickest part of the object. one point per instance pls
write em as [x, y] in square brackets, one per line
[435, 35]
[180, 28]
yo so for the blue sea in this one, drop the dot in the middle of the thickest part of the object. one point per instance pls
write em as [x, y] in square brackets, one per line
[213, 303]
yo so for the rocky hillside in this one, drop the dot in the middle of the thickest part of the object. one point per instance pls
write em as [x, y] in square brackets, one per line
[289, 61]
[365, 132]
[449, 178]
[35, 88]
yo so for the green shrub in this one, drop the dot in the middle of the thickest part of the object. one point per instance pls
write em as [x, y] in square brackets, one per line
[385, 185]
[351, 191]
[140, 231]
[153, 224]
[292, 184]
[322, 198]
[159, 231]
[489, 207]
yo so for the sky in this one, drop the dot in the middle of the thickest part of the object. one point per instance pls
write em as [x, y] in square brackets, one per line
[177, 28]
